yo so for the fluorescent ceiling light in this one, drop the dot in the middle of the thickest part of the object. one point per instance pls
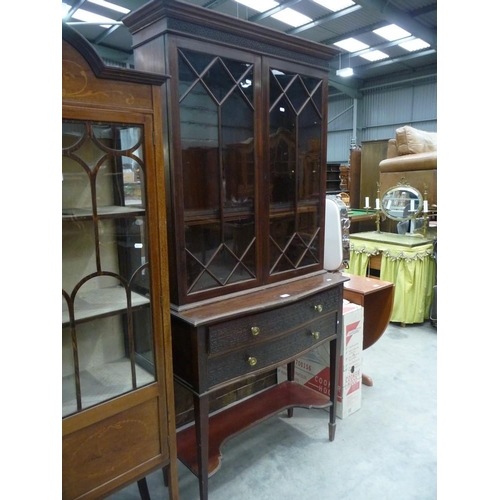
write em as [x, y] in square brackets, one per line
[345, 72]
[335, 5]
[351, 45]
[375, 55]
[412, 45]
[288, 16]
[392, 32]
[258, 5]
[90, 17]
[291, 17]
[110, 5]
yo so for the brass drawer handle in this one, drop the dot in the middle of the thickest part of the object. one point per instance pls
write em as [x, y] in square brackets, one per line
[252, 361]
[255, 330]
[318, 308]
[315, 335]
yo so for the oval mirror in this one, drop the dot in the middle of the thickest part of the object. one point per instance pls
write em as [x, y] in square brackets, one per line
[402, 202]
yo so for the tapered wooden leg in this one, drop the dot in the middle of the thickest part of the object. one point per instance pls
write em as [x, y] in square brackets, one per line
[166, 473]
[201, 407]
[290, 371]
[334, 355]
[143, 489]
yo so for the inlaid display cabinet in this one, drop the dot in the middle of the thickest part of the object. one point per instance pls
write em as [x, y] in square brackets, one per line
[245, 117]
[118, 417]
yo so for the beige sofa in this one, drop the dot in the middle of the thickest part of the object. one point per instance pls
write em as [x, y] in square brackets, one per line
[412, 154]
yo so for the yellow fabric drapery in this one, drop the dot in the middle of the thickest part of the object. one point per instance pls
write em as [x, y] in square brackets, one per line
[412, 269]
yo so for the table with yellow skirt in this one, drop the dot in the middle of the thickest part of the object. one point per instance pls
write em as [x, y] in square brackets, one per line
[405, 260]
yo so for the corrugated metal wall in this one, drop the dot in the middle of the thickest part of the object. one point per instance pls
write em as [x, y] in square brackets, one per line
[378, 115]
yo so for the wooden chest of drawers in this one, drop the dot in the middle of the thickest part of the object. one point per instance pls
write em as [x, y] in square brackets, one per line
[222, 342]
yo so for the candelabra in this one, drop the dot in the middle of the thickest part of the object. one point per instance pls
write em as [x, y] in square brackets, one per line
[425, 212]
[377, 208]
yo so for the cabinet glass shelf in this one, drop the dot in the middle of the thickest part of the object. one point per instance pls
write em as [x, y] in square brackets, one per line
[113, 210]
[101, 302]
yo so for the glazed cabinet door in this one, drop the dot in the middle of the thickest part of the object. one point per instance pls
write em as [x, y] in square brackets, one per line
[106, 314]
[295, 160]
[216, 168]
[113, 361]
[248, 170]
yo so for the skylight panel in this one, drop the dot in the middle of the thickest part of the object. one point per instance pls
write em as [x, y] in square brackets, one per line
[392, 32]
[288, 16]
[351, 45]
[375, 55]
[335, 5]
[109, 5]
[291, 17]
[258, 5]
[90, 17]
[413, 45]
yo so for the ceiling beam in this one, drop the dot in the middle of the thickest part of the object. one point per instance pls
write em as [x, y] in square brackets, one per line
[345, 89]
[213, 3]
[400, 59]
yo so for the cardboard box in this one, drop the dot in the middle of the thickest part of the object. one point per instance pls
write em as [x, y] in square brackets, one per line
[313, 369]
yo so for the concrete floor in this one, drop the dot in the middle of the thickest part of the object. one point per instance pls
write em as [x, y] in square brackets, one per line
[384, 451]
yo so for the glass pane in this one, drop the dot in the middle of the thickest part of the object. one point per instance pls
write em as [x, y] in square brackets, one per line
[200, 151]
[281, 231]
[217, 136]
[238, 153]
[219, 81]
[282, 153]
[309, 153]
[106, 314]
[202, 244]
[295, 168]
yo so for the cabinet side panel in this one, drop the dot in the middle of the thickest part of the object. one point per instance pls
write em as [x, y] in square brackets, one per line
[97, 454]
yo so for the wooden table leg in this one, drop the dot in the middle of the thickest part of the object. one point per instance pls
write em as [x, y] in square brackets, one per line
[290, 371]
[334, 380]
[143, 489]
[201, 408]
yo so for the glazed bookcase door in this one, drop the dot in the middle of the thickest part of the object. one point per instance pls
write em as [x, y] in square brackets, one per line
[249, 164]
[106, 308]
[295, 123]
[217, 112]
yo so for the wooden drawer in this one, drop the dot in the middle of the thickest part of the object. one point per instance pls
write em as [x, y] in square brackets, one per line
[267, 325]
[224, 367]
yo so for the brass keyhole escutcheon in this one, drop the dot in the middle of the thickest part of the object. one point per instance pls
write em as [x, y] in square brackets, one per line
[318, 308]
[252, 361]
[255, 330]
[315, 335]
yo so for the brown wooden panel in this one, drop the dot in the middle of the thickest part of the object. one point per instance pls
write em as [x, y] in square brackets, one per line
[79, 85]
[104, 450]
[372, 153]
